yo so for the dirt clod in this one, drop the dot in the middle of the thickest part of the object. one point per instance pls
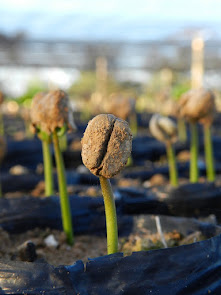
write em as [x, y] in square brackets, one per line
[27, 251]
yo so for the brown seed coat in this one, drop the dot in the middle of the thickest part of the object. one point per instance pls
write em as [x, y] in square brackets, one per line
[163, 128]
[51, 111]
[198, 105]
[106, 145]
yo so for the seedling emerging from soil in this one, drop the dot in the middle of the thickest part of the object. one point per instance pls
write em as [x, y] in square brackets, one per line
[198, 105]
[46, 141]
[206, 121]
[165, 130]
[50, 115]
[106, 146]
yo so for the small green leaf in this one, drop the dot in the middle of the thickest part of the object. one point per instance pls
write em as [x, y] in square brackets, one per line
[61, 130]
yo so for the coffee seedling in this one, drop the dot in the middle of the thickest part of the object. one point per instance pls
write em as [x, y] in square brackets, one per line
[165, 130]
[198, 105]
[106, 147]
[51, 118]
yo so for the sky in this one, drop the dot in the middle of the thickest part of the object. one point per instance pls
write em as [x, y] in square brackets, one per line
[101, 19]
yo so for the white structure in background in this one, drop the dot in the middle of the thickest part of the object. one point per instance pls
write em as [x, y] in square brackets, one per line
[197, 65]
[14, 80]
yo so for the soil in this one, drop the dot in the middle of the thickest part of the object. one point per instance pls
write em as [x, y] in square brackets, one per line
[32, 246]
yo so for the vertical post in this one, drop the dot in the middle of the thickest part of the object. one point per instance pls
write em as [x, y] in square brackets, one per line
[197, 66]
[101, 77]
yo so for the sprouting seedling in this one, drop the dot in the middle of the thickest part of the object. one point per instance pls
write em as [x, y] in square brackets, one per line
[45, 137]
[52, 117]
[208, 146]
[198, 105]
[106, 146]
[165, 130]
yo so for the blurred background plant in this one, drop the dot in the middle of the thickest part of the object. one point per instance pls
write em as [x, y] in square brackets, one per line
[146, 58]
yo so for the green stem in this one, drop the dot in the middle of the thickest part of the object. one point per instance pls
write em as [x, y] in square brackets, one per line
[48, 173]
[64, 200]
[194, 146]
[208, 146]
[111, 216]
[63, 142]
[182, 130]
[2, 129]
[172, 165]
[133, 123]
[129, 162]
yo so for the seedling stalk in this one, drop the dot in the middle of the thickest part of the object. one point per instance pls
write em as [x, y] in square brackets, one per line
[48, 173]
[65, 204]
[2, 130]
[134, 124]
[111, 216]
[210, 171]
[194, 147]
[172, 164]
[182, 130]
[63, 143]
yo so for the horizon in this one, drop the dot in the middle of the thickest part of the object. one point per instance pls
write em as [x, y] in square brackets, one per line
[117, 20]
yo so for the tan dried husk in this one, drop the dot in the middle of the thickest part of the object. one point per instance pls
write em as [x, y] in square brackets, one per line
[198, 105]
[51, 111]
[163, 128]
[119, 105]
[106, 145]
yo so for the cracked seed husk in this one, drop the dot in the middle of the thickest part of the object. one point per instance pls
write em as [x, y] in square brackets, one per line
[50, 111]
[163, 128]
[106, 145]
[119, 105]
[198, 105]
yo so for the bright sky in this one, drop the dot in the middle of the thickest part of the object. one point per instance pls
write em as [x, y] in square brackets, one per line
[51, 17]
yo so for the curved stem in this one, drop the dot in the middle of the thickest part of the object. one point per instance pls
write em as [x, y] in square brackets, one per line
[208, 147]
[64, 200]
[172, 165]
[48, 173]
[111, 216]
[194, 147]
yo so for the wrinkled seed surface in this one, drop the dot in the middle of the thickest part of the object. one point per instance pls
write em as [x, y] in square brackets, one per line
[50, 111]
[197, 104]
[106, 145]
[163, 128]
